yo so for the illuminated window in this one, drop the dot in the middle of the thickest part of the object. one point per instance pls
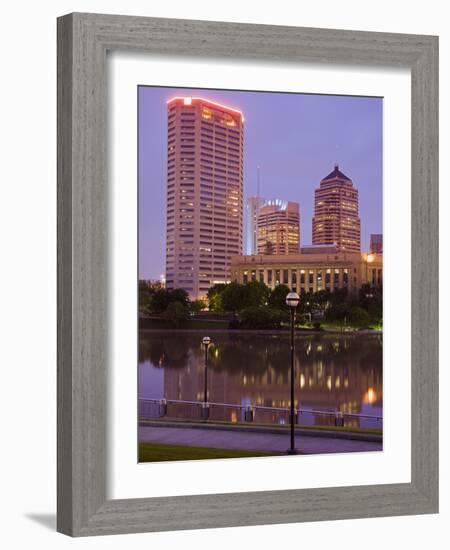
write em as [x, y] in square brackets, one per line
[277, 276]
[206, 113]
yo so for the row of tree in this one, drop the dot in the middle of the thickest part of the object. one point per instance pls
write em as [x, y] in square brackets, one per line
[255, 305]
[260, 307]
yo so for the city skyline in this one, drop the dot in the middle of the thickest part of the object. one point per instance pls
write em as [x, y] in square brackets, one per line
[313, 129]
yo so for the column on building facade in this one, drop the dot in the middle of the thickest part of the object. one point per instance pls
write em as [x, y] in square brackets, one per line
[294, 279]
[314, 283]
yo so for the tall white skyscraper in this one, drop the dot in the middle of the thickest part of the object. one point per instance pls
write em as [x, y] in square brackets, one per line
[205, 156]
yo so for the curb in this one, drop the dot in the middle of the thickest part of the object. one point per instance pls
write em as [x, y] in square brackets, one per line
[375, 438]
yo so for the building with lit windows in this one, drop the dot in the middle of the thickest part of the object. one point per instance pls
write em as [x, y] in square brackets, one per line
[278, 228]
[311, 270]
[336, 218]
[251, 237]
[205, 144]
[376, 243]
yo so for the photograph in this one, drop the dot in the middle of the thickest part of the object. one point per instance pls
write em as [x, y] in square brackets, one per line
[260, 273]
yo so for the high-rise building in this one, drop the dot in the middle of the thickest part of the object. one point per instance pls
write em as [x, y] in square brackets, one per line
[278, 228]
[205, 144]
[376, 244]
[336, 219]
[251, 236]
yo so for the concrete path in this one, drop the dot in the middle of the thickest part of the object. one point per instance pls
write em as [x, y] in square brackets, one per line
[252, 441]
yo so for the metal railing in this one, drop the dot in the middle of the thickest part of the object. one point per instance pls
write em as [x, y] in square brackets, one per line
[177, 408]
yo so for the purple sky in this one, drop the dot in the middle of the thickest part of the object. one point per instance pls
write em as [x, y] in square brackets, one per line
[295, 138]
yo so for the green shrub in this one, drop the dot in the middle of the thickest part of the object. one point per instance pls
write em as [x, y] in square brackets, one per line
[177, 313]
[359, 317]
[261, 318]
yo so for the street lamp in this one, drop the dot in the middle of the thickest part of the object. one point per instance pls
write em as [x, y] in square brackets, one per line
[205, 410]
[292, 301]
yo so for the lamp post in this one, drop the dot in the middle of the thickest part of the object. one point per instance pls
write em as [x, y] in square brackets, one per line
[292, 301]
[206, 342]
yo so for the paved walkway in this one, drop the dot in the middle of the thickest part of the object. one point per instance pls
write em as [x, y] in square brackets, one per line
[252, 441]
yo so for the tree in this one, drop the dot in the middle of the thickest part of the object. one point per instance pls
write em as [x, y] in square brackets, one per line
[256, 294]
[176, 313]
[196, 306]
[277, 298]
[376, 309]
[162, 297]
[160, 300]
[262, 318]
[233, 297]
[359, 317]
[337, 312]
[179, 295]
[321, 299]
[145, 297]
[214, 295]
[338, 296]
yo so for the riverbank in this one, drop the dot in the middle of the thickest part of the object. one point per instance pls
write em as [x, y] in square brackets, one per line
[284, 331]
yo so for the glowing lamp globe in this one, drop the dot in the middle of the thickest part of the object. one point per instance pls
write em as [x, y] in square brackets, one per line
[292, 299]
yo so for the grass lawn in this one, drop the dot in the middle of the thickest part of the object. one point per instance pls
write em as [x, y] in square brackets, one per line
[158, 452]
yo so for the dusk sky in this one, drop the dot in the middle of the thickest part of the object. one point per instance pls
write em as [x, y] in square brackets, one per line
[295, 139]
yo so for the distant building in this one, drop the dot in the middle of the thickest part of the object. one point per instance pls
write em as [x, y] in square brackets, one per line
[376, 244]
[205, 155]
[336, 219]
[278, 228]
[319, 249]
[251, 240]
[162, 280]
[311, 271]
[151, 283]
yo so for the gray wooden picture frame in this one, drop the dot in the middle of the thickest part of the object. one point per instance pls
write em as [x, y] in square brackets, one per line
[83, 240]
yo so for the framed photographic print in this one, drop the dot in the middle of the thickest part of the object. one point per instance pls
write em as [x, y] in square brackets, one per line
[247, 260]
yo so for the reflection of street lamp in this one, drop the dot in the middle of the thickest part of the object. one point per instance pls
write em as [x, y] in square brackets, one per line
[206, 342]
[292, 301]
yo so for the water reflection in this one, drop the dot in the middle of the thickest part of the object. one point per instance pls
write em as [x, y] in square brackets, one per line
[333, 373]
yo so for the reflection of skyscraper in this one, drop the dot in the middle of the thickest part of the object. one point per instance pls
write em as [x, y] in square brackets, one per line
[253, 206]
[336, 219]
[278, 228]
[376, 244]
[204, 193]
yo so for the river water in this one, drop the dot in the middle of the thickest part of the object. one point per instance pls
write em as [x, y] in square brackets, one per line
[332, 373]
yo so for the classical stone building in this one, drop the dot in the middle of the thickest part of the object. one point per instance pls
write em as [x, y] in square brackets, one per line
[311, 270]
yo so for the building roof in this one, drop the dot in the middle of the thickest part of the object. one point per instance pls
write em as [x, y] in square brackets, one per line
[336, 173]
[187, 100]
